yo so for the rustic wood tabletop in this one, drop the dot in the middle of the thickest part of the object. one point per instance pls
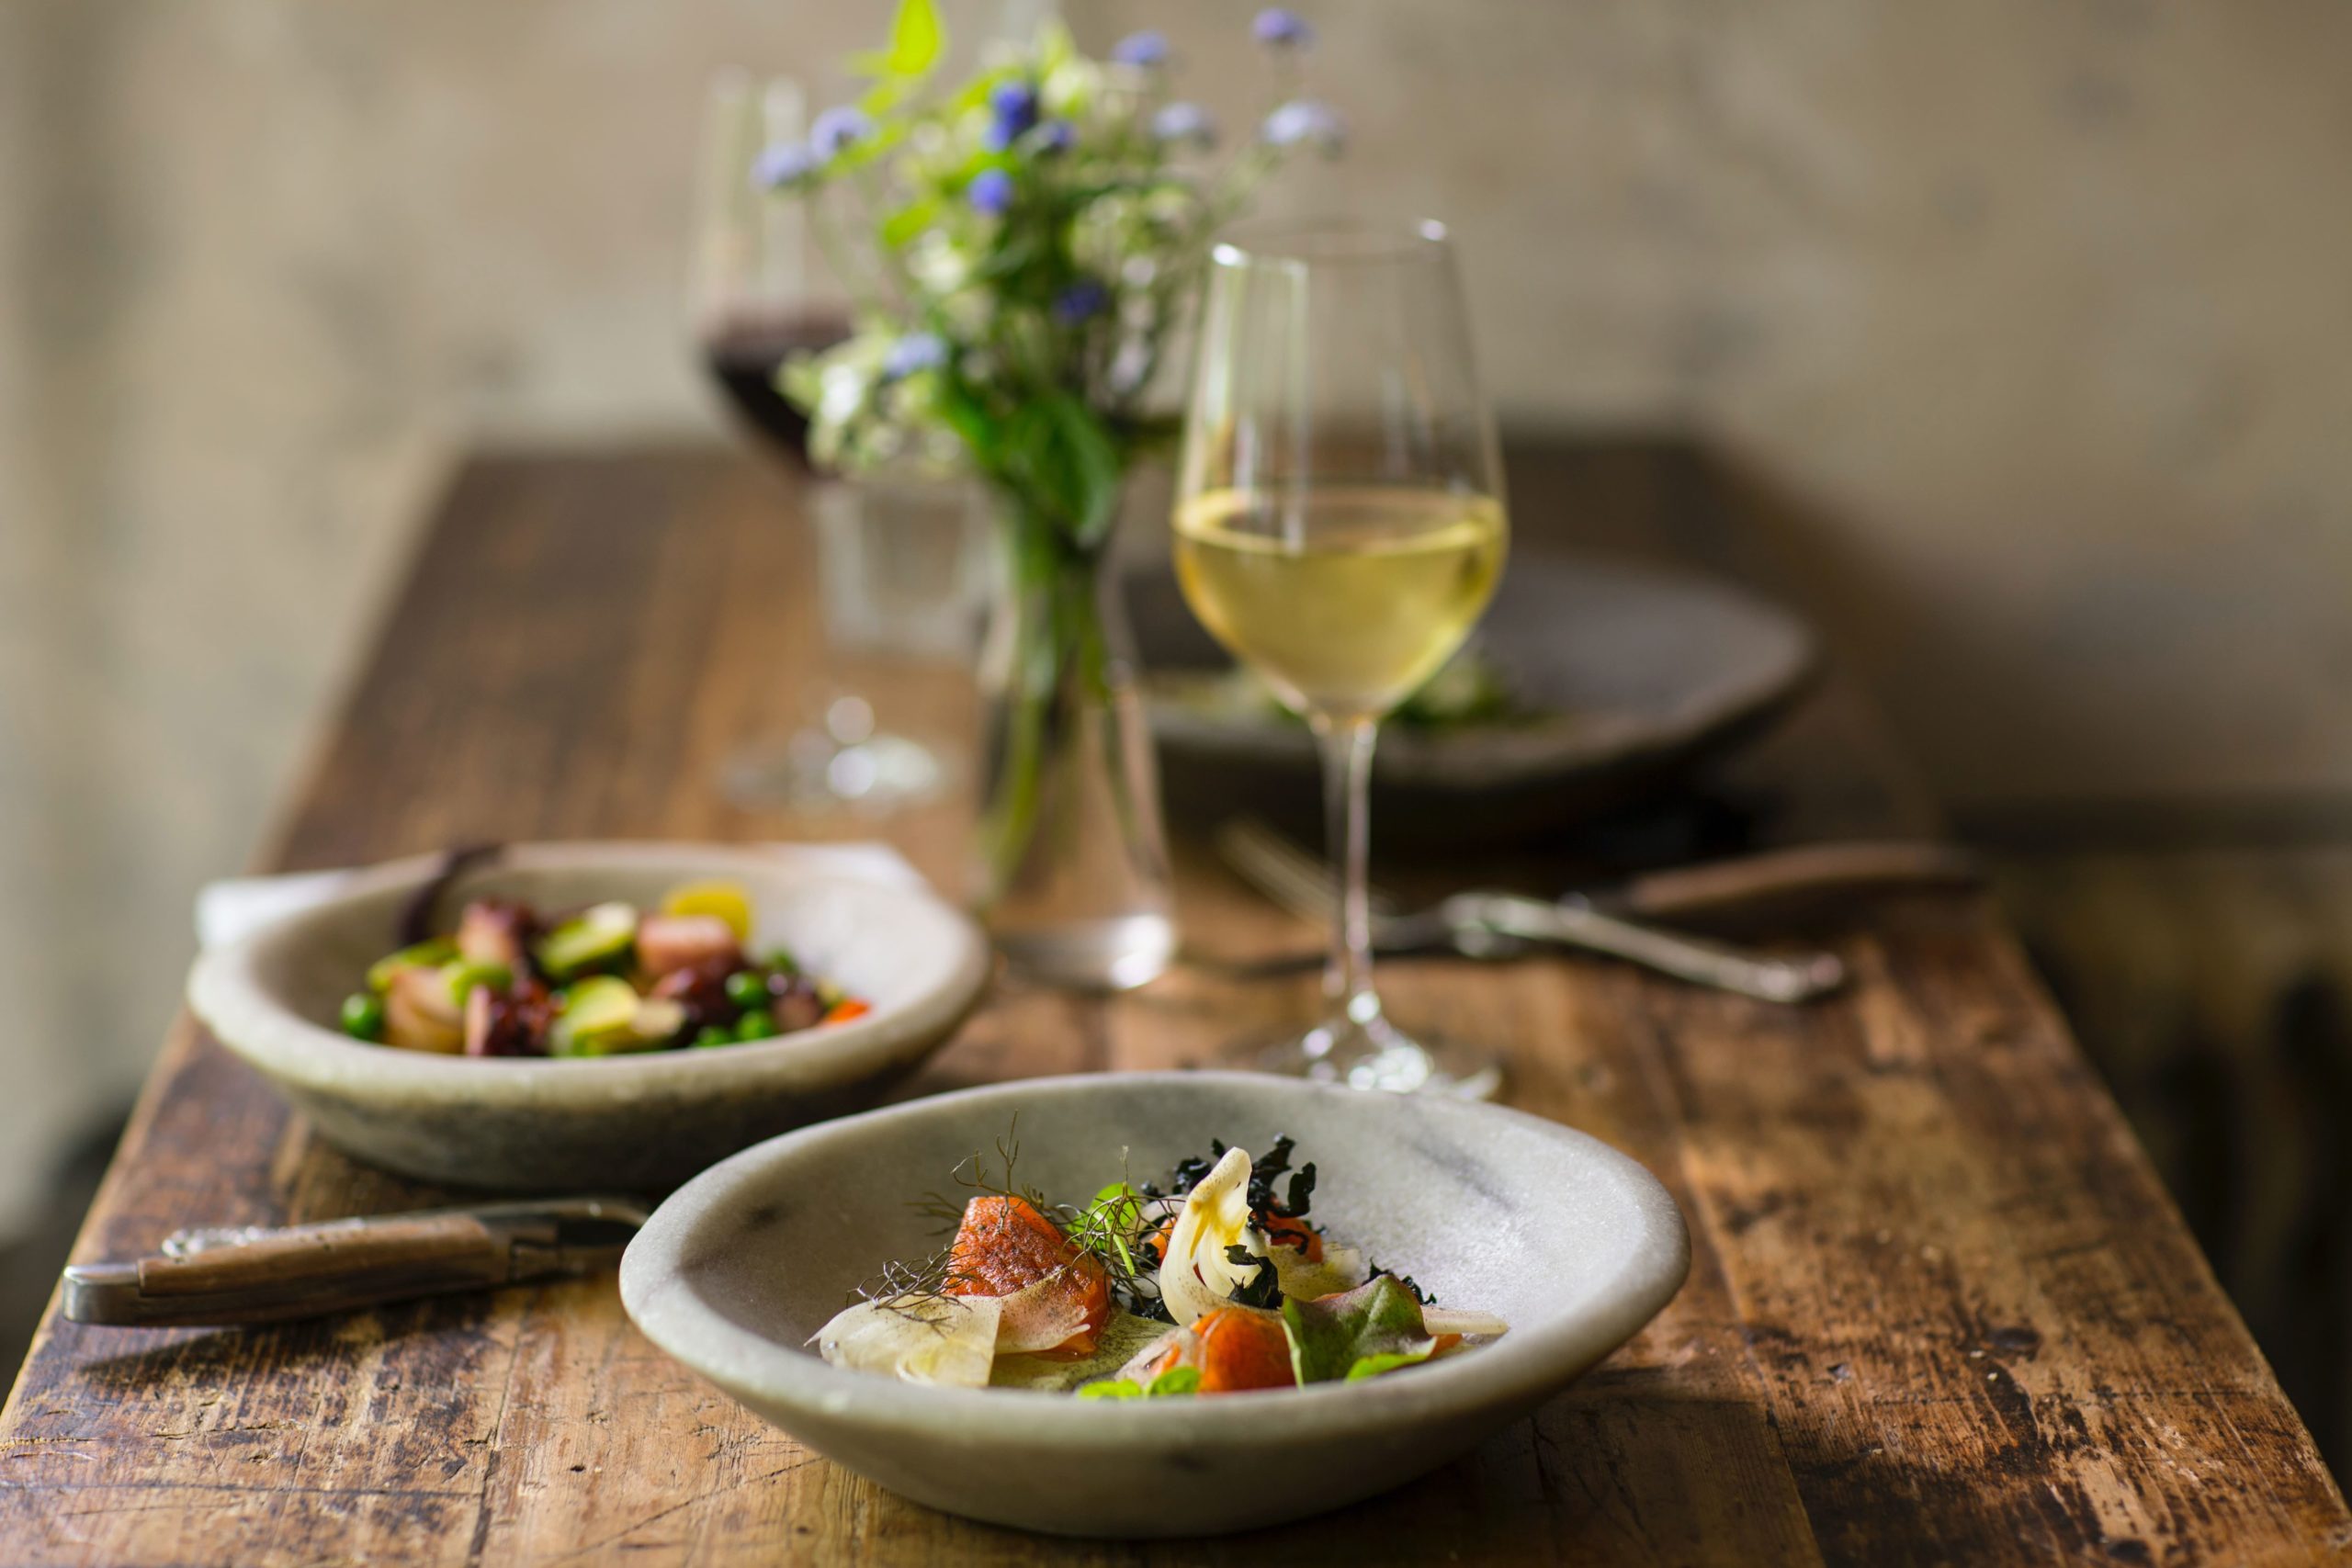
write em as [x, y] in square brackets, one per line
[1939, 1310]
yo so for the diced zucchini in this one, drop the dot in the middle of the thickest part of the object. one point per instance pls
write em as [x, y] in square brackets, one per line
[597, 938]
[429, 954]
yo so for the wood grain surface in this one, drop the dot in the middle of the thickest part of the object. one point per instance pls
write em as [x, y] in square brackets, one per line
[1938, 1311]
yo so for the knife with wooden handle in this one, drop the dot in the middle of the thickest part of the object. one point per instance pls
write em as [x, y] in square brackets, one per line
[1780, 879]
[218, 1278]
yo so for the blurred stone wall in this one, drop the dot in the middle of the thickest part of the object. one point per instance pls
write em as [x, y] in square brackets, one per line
[2034, 312]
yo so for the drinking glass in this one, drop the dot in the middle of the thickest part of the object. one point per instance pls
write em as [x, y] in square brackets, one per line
[752, 308]
[1340, 527]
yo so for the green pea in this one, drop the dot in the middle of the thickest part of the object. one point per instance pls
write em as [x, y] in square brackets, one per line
[780, 959]
[756, 1025]
[746, 989]
[711, 1034]
[363, 1016]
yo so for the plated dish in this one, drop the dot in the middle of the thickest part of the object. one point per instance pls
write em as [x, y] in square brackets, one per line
[1589, 682]
[511, 979]
[1217, 1280]
[1569, 1242]
[629, 1119]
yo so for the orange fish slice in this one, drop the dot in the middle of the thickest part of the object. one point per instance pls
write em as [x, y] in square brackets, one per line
[1005, 1247]
[1235, 1348]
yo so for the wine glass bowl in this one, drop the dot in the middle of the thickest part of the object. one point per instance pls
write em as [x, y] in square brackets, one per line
[1340, 527]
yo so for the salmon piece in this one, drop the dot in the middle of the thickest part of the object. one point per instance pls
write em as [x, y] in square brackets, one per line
[1004, 1244]
[1235, 1349]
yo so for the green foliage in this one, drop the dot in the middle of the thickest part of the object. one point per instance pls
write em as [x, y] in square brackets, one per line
[1372, 1330]
[1022, 247]
[1174, 1382]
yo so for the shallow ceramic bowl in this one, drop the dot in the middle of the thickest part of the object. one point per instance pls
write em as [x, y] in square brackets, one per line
[1574, 1244]
[1636, 675]
[631, 1122]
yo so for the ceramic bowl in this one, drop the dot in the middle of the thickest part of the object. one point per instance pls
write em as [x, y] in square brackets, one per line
[1574, 1244]
[639, 1122]
[1636, 675]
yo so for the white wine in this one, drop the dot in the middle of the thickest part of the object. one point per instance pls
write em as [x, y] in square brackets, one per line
[1344, 598]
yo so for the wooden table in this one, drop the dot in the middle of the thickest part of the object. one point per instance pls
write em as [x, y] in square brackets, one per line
[1939, 1310]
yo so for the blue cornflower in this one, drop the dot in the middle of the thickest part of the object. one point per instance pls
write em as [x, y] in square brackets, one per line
[1184, 122]
[1304, 119]
[913, 352]
[990, 192]
[785, 163]
[1081, 299]
[834, 131]
[1014, 104]
[1056, 136]
[1279, 28]
[1144, 50]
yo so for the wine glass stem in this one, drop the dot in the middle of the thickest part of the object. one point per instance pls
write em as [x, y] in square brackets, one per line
[1347, 779]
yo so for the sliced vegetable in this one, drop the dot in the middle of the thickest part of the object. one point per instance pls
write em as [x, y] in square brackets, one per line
[603, 1016]
[466, 974]
[927, 1340]
[842, 1012]
[1199, 1274]
[727, 901]
[599, 937]
[424, 955]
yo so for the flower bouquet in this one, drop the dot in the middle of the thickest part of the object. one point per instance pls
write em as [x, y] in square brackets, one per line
[1021, 253]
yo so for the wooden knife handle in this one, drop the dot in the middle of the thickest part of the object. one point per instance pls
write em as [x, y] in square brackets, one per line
[1810, 874]
[305, 1272]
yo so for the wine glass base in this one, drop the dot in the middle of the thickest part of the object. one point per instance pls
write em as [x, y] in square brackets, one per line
[813, 770]
[1377, 1056]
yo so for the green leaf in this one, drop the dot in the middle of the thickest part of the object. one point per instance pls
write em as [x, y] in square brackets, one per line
[917, 39]
[1118, 1389]
[1331, 1338]
[1386, 1362]
[1174, 1381]
[901, 227]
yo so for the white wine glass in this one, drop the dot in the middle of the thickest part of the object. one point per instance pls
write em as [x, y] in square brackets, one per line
[1340, 527]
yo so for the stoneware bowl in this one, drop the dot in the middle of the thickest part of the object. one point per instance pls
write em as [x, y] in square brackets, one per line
[1574, 1244]
[639, 1122]
[1635, 676]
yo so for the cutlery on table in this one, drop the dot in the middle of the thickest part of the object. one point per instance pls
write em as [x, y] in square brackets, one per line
[216, 1278]
[1492, 924]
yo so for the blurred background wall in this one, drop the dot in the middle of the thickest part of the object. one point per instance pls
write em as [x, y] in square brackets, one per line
[2036, 307]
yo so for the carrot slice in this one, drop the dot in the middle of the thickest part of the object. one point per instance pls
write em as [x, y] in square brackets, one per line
[841, 1012]
[1004, 1244]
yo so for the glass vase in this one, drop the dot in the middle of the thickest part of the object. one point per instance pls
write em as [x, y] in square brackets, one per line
[1072, 870]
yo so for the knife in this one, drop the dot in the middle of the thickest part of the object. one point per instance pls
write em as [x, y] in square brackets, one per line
[273, 1275]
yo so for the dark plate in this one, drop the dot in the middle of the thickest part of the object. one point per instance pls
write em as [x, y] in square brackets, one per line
[1637, 674]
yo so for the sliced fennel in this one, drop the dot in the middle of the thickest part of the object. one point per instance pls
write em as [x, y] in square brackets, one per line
[948, 1340]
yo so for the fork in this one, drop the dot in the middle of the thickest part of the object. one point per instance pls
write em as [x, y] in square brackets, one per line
[1488, 923]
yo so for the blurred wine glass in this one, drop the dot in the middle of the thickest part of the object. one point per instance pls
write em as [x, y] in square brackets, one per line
[893, 553]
